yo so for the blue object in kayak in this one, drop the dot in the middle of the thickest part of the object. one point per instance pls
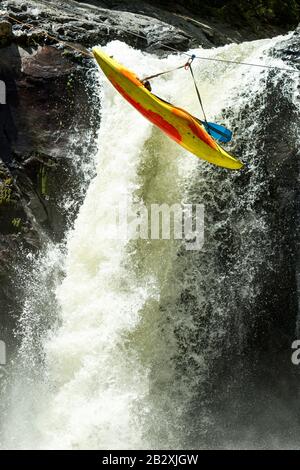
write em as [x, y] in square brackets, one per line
[218, 132]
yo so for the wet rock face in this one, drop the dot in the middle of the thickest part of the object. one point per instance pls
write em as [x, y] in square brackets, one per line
[45, 95]
[49, 89]
[89, 25]
[36, 128]
[146, 25]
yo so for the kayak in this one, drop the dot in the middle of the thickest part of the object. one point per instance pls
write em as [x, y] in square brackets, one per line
[177, 123]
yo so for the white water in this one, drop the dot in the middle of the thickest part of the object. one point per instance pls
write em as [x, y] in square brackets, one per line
[108, 378]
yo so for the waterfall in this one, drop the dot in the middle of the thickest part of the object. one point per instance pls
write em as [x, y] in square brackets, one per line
[131, 347]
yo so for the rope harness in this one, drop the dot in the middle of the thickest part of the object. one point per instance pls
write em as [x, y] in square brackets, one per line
[186, 66]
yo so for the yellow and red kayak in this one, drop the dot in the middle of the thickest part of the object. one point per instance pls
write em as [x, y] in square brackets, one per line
[177, 123]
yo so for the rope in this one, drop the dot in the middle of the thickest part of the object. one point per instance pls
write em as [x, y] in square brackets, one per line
[88, 54]
[245, 63]
[162, 73]
[188, 65]
[228, 61]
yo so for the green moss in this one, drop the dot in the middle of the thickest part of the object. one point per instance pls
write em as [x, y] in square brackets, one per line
[43, 180]
[5, 195]
[16, 222]
[5, 189]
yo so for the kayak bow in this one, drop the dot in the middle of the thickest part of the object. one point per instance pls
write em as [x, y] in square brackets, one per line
[177, 123]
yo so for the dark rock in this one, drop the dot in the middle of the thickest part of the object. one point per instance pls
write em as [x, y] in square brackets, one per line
[43, 124]
[5, 33]
[139, 23]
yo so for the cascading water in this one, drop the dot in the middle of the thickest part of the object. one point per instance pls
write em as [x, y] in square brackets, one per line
[140, 328]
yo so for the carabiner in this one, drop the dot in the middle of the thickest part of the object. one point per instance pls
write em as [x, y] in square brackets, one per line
[188, 64]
